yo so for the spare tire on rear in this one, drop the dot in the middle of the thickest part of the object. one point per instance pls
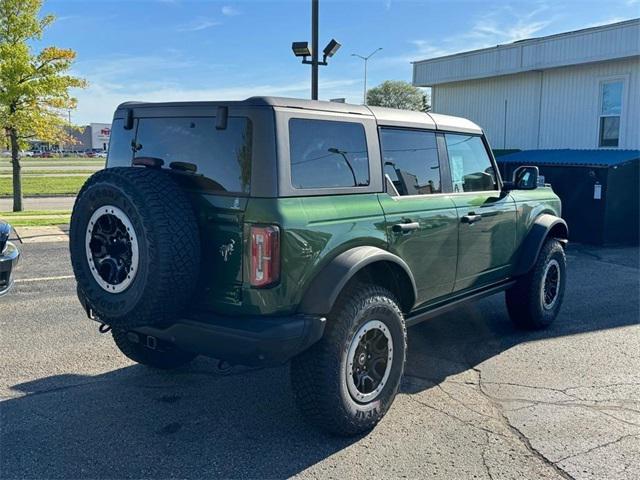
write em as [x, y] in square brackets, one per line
[135, 247]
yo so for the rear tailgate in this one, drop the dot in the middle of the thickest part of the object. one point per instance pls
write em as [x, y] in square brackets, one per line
[220, 220]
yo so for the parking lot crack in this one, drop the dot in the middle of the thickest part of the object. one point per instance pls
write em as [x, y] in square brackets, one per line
[455, 417]
[518, 433]
[597, 447]
[483, 456]
[464, 405]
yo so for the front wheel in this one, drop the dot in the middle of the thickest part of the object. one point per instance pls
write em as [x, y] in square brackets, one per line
[534, 301]
[347, 381]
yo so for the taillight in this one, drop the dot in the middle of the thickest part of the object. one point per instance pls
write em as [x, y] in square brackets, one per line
[265, 255]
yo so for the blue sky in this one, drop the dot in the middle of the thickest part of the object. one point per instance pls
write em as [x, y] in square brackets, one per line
[159, 50]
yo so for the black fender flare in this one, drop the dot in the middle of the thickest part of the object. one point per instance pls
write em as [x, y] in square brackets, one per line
[543, 226]
[324, 289]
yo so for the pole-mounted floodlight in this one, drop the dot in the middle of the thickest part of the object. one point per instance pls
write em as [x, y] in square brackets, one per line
[330, 50]
[301, 49]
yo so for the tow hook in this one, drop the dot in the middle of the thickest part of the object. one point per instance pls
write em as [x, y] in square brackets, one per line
[104, 328]
[223, 367]
[152, 342]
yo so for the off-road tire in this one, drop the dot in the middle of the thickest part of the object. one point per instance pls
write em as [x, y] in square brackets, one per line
[168, 246]
[165, 356]
[318, 374]
[525, 302]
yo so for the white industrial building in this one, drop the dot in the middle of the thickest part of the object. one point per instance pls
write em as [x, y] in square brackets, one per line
[575, 90]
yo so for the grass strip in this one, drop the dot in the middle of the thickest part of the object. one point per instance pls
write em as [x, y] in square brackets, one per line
[49, 172]
[34, 213]
[44, 221]
[44, 186]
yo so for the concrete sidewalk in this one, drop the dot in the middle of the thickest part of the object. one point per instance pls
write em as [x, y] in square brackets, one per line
[39, 203]
[59, 233]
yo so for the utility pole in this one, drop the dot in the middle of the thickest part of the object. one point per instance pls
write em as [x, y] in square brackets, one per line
[366, 59]
[314, 48]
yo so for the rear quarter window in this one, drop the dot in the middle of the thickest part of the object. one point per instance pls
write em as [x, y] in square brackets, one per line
[120, 152]
[222, 157]
[327, 154]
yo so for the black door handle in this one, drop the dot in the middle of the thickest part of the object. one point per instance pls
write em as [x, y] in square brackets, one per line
[471, 218]
[405, 227]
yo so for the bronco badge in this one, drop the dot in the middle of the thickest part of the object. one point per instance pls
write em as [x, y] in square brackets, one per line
[227, 249]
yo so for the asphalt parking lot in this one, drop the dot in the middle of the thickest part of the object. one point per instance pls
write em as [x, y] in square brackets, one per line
[479, 400]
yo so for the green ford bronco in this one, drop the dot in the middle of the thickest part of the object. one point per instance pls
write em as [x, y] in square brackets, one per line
[272, 229]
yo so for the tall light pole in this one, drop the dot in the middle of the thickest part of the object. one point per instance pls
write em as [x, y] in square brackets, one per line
[301, 49]
[366, 59]
[314, 48]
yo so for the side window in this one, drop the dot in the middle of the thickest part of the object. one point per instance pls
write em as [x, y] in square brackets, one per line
[327, 154]
[411, 160]
[471, 169]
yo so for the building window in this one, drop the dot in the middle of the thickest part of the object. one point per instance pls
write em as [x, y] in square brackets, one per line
[610, 112]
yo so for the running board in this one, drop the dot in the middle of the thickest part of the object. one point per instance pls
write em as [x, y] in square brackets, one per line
[439, 308]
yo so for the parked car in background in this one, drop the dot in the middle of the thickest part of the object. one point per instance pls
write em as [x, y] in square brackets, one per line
[9, 255]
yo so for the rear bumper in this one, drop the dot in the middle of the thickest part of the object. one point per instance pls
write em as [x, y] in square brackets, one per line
[8, 261]
[253, 341]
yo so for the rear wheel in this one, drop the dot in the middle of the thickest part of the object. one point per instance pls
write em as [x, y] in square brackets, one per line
[152, 354]
[535, 300]
[347, 381]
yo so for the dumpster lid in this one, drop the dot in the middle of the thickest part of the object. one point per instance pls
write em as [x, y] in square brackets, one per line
[571, 158]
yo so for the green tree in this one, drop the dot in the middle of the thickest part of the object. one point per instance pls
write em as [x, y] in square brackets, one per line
[34, 86]
[396, 94]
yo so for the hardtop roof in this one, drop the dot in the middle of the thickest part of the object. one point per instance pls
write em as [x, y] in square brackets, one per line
[383, 116]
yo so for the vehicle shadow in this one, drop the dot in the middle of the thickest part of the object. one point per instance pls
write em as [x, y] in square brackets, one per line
[135, 422]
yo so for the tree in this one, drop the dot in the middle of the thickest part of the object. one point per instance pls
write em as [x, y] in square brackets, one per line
[34, 87]
[396, 94]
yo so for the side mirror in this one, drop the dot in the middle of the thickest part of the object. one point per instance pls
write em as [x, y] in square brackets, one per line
[524, 178]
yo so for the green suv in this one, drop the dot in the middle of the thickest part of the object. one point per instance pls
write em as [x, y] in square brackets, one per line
[274, 229]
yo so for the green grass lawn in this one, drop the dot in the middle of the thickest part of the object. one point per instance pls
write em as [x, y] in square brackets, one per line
[47, 171]
[55, 162]
[37, 218]
[44, 186]
[7, 166]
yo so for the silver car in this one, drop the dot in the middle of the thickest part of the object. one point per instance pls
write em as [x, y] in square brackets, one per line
[9, 255]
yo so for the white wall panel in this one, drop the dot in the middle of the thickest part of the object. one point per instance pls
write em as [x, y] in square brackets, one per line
[483, 102]
[615, 41]
[555, 108]
[571, 101]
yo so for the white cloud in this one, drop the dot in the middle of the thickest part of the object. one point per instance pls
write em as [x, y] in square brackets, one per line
[197, 25]
[503, 25]
[607, 21]
[230, 11]
[98, 102]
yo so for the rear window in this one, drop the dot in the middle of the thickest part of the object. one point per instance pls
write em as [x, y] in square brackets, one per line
[222, 156]
[327, 154]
